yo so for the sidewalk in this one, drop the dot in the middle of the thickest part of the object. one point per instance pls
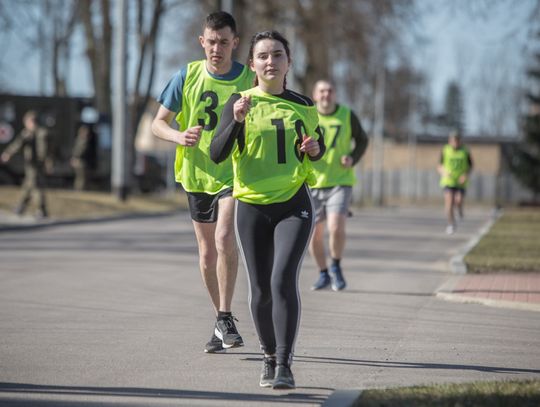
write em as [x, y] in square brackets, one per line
[506, 290]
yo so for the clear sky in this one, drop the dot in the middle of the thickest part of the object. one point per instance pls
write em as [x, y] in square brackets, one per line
[476, 51]
[485, 54]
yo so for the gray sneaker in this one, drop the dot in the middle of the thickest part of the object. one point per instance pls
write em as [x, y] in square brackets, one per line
[227, 332]
[268, 372]
[284, 379]
[214, 345]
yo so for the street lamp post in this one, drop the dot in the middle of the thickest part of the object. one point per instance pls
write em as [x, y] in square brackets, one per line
[378, 130]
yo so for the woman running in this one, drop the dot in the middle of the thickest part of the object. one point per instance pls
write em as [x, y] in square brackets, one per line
[272, 134]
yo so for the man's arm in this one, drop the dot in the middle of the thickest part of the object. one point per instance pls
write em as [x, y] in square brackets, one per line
[161, 128]
[360, 139]
[13, 148]
[171, 103]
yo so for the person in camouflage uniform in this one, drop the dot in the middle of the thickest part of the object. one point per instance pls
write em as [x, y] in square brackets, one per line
[33, 141]
[79, 157]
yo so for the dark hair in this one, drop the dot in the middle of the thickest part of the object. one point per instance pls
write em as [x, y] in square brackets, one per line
[30, 114]
[220, 19]
[268, 35]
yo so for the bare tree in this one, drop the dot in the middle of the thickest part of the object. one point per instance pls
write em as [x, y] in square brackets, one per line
[404, 84]
[98, 35]
[340, 39]
[45, 27]
[64, 23]
[147, 23]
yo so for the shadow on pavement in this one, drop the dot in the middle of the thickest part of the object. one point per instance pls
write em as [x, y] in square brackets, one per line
[410, 365]
[135, 392]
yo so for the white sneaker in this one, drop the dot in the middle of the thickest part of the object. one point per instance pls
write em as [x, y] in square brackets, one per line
[450, 229]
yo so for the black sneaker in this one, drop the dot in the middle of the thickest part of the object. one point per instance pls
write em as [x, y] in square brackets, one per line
[284, 378]
[214, 345]
[338, 282]
[268, 372]
[322, 282]
[227, 332]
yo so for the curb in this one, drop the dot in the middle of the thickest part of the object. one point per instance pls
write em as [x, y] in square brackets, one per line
[459, 268]
[342, 398]
[464, 299]
[76, 221]
[457, 265]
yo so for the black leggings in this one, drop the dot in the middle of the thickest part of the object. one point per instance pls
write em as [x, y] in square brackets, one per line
[273, 240]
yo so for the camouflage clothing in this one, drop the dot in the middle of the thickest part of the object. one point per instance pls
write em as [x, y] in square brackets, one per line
[34, 146]
[79, 157]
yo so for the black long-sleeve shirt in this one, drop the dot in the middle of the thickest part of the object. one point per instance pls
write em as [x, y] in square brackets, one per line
[360, 139]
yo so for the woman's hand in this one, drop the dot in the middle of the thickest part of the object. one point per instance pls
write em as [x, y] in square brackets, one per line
[310, 146]
[241, 108]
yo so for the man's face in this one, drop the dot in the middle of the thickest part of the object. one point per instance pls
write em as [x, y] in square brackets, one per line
[324, 95]
[454, 141]
[30, 122]
[218, 46]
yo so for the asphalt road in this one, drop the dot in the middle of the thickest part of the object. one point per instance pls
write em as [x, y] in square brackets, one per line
[114, 314]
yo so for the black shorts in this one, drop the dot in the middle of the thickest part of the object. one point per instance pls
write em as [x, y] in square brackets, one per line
[455, 189]
[204, 207]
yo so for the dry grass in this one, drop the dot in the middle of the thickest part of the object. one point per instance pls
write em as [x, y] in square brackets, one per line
[68, 204]
[512, 244]
[523, 393]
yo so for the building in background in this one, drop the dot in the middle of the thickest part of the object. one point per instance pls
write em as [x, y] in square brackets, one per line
[410, 172]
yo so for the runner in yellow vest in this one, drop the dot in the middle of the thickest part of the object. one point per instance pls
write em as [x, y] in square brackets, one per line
[195, 97]
[273, 136]
[332, 193]
[455, 167]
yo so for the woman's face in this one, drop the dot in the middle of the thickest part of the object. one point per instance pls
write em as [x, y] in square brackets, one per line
[270, 61]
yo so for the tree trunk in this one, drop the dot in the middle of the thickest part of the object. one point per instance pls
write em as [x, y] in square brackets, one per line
[98, 54]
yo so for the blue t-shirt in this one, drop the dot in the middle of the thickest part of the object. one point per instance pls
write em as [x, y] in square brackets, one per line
[171, 97]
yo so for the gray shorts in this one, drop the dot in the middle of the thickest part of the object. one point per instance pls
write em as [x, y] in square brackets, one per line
[331, 200]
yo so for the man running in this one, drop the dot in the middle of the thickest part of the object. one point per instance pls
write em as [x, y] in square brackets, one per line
[332, 192]
[195, 97]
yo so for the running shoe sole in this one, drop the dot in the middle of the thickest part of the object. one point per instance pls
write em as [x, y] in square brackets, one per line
[236, 344]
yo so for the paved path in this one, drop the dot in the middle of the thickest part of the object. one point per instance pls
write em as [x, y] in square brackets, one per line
[114, 314]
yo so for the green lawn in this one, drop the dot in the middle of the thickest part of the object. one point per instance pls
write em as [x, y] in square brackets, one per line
[522, 393]
[512, 244]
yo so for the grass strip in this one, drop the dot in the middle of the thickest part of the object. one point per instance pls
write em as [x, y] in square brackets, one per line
[512, 244]
[523, 393]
